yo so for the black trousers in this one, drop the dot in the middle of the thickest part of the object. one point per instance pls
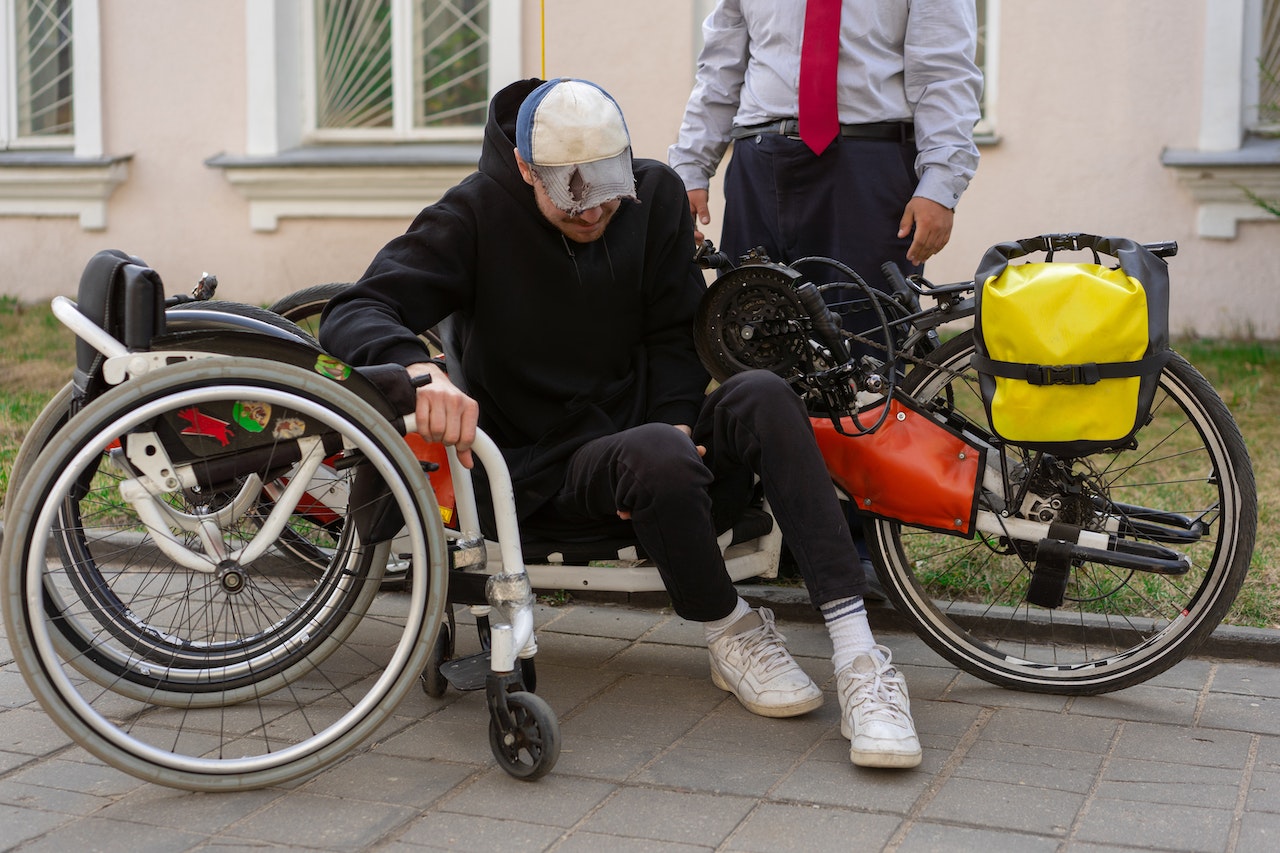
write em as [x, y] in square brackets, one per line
[845, 204]
[753, 424]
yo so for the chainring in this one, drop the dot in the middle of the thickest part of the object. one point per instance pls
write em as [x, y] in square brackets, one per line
[750, 318]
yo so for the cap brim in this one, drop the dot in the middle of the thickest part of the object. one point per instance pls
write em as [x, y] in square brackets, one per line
[582, 186]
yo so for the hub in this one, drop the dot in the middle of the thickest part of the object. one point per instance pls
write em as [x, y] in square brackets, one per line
[231, 577]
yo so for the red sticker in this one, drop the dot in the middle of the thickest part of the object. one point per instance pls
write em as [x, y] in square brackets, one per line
[206, 426]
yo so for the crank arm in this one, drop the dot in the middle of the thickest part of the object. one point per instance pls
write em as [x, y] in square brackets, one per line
[1089, 545]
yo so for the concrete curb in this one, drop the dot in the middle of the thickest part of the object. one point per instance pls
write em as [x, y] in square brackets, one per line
[1227, 642]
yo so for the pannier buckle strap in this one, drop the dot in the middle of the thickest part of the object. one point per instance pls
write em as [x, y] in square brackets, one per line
[1063, 242]
[1063, 374]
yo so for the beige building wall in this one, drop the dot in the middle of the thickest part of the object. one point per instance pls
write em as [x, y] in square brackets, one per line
[1085, 103]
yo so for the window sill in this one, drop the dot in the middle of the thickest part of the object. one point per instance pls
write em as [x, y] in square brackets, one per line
[56, 183]
[1224, 183]
[365, 181]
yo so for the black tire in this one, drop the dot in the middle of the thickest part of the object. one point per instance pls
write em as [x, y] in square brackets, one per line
[1116, 627]
[136, 635]
[530, 749]
[241, 309]
[434, 684]
[305, 306]
[311, 542]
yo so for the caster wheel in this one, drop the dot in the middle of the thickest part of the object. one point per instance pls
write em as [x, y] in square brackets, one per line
[530, 749]
[434, 684]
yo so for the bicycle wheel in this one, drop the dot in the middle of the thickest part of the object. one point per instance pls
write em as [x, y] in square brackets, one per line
[1186, 487]
[161, 631]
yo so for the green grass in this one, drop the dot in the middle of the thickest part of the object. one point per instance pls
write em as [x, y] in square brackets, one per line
[1247, 376]
[38, 356]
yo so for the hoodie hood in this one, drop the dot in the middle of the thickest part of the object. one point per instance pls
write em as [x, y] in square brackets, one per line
[497, 157]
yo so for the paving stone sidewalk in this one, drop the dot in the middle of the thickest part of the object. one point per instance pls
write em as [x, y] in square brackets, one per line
[655, 758]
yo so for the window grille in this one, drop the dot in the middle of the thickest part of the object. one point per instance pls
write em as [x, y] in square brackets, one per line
[43, 68]
[1269, 68]
[401, 66]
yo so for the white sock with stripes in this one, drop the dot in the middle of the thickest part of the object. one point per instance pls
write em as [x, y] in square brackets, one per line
[851, 635]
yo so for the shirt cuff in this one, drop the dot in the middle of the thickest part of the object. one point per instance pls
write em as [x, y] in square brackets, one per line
[938, 186]
[693, 176]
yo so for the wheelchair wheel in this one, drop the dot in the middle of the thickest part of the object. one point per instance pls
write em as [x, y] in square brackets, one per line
[51, 419]
[305, 306]
[434, 684]
[1186, 486]
[150, 615]
[59, 409]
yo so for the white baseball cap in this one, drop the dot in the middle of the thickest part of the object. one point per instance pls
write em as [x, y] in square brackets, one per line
[572, 133]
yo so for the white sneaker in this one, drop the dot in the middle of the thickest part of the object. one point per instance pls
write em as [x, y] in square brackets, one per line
[754, 666]
[875, 713]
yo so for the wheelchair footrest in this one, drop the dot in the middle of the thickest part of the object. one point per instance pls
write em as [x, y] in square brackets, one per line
[467, 673]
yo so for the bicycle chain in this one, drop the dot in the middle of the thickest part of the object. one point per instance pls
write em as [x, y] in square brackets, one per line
[918, 361]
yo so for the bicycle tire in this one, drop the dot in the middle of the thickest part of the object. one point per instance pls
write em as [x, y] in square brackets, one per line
[289, 724]
[1116, 628]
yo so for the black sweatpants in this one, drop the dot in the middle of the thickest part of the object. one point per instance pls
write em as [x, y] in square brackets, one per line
[753, 424]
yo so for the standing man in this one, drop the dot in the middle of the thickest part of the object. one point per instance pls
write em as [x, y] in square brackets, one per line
[566, 272]
[852, 125]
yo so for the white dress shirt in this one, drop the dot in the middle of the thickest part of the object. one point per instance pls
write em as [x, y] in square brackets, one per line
[900, 60]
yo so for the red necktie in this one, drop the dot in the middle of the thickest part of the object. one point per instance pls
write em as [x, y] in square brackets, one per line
[819, 55]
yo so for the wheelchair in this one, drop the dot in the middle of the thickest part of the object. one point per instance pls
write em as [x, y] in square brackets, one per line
[225, 567]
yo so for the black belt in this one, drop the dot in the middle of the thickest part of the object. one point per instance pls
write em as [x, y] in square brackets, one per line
[897, 131]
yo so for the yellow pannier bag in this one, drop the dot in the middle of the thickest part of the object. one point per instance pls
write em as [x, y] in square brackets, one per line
[1069, 354]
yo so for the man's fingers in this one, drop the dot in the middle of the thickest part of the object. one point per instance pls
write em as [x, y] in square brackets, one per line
[698, 206]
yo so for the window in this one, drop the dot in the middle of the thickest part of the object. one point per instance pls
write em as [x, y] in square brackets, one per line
[42, 111]
[367, 108]
[1234, 173]
[1265, 113]
[397, 69]
[51, 157]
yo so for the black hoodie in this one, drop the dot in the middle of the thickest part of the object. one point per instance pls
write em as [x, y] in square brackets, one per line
[559, 342]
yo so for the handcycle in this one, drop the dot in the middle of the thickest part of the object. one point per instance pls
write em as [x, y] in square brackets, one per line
[1054, 574]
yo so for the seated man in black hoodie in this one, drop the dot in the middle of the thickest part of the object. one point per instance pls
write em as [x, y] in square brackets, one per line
[563, 273]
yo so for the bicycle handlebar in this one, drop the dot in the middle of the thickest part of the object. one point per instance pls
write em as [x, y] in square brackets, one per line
[825, 322]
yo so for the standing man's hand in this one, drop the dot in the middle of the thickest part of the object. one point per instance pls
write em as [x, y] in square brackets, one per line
[444, 413]
[701, 213]
[932, 224]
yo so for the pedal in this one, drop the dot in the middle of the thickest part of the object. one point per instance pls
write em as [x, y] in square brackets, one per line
[467, 673]
[1048, 585]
